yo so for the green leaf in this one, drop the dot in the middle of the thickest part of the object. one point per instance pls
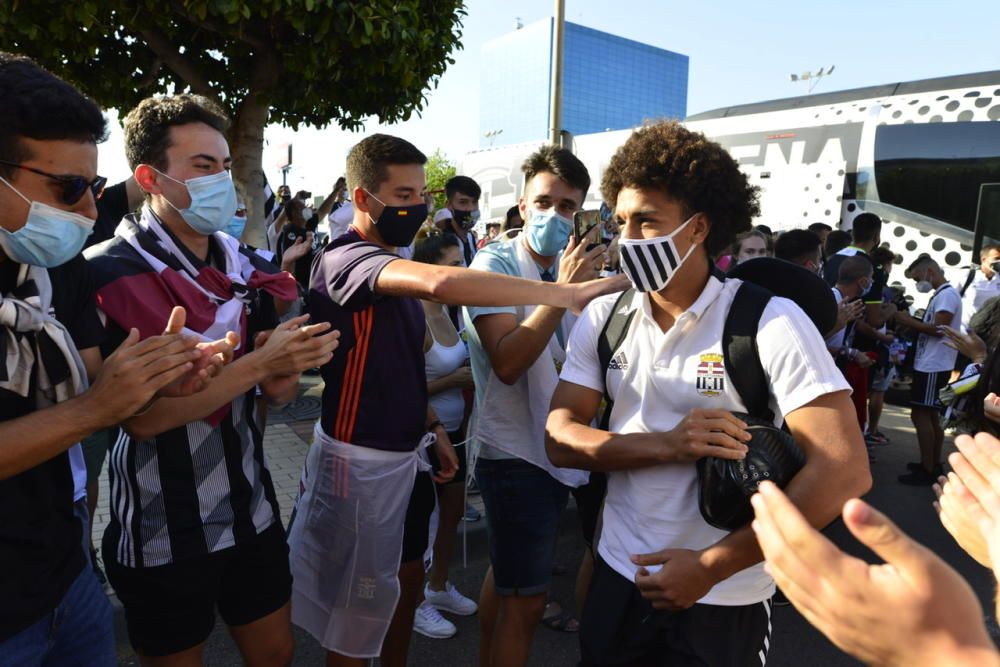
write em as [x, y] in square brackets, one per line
[359, 58]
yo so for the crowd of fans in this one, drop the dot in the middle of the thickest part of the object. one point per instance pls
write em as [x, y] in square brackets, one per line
[522, 361]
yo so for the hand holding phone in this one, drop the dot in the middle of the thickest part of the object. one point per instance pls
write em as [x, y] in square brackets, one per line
[587, 228]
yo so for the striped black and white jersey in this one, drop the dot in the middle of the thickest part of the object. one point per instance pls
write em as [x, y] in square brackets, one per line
[201, 487]
[190, 491]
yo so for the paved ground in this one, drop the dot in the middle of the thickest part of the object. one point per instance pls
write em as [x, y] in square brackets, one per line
[794, 641]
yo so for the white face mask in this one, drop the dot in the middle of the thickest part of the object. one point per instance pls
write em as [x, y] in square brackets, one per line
[651, 263]
[924, 286]
[307, 213]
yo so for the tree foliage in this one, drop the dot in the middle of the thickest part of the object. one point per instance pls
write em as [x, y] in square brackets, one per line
[439, 169]
[316, 61]
[287, 61]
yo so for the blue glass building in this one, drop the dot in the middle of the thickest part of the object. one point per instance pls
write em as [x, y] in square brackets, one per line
[609, 82]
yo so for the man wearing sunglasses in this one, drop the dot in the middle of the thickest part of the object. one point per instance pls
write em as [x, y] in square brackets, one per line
[52, 609]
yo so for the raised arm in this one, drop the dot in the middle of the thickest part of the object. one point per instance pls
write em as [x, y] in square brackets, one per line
[512, 346]
[466, 287]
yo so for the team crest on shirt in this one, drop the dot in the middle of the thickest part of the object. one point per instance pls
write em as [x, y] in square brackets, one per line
[711, 379]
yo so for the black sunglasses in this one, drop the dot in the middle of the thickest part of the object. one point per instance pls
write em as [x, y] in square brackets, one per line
[73, 187]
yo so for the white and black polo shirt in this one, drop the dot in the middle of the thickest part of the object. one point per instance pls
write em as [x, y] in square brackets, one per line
[655, 379]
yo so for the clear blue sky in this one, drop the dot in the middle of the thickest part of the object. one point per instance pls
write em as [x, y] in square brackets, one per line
[739, 51]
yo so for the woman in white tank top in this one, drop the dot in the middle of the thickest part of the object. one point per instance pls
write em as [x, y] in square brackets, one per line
[449, 378]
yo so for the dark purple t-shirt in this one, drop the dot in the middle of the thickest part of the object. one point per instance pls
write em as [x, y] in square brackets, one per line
[376, 389]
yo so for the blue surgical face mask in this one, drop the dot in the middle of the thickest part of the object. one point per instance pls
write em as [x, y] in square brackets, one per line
[236, 226]
[547, 232]
[50, 237]
[213, 202]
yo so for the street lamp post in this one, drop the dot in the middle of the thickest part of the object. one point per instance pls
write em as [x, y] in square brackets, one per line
[555, 110]
[811, 79]
[492, 135]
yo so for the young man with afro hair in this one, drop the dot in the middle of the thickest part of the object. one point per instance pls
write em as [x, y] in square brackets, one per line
[668, 586]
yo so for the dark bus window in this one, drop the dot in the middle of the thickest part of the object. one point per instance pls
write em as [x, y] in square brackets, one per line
[936, 169]
[989, 215]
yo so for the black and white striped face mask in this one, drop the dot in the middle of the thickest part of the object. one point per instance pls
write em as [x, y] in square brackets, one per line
[651, 263]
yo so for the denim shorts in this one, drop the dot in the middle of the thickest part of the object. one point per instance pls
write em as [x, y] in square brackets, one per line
[523, 505]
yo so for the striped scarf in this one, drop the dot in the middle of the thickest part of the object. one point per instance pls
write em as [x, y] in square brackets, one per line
[37, 351]
[157, 275]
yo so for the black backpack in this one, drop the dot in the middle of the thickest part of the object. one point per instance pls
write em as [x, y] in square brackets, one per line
[763, 278]
[739, 347]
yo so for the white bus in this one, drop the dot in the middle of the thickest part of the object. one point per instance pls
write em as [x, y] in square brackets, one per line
[923, 155]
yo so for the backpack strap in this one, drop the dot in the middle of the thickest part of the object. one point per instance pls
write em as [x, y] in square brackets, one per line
[968, 281]
[740, 352]
[611, 338]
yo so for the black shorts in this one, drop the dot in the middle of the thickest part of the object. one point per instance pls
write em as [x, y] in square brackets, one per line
[589, 501]
[926, 387]
[620, 628]
[463, 466]
[416, 530]
[95, 449]
[170, 608]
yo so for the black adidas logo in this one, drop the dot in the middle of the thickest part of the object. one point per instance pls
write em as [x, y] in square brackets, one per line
[619, 362]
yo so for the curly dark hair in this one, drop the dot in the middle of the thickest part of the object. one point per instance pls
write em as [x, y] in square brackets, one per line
[147, 127]
[687, 167]
[36, 104]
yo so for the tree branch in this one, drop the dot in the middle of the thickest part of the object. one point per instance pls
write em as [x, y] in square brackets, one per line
[255, 41]
[154, 71]
[164, 49]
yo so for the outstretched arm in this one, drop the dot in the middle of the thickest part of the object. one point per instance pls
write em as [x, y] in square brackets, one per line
[467, 287]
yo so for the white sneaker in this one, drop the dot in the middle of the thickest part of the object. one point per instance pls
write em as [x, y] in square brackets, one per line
[429, 622]
[450, 600]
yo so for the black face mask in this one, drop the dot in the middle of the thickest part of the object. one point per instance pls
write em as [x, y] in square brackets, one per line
[398, 225]
[995, 266]
[466, 219]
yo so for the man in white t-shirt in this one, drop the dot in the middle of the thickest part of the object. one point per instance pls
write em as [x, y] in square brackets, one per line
[516, 353]
[931, 367]
[668, 588]
[984, 287]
